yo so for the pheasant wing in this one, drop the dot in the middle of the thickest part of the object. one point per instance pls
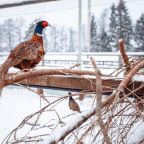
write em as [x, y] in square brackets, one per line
[26, 50]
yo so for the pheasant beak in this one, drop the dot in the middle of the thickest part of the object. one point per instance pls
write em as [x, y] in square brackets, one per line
[49, 25]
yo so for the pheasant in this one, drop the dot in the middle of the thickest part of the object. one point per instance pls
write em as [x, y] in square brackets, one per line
[27, 54]
[73, 104]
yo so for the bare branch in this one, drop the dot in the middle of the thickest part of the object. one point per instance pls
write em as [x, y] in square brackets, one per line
[124, 55]
[99, 102]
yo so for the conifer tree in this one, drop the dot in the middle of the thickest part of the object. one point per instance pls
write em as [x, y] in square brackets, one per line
[139, 34]
[113, 28]
[103, 43]
[93, 35]
[124, 27]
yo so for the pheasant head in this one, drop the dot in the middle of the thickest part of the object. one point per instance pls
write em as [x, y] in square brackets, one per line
[40, 26]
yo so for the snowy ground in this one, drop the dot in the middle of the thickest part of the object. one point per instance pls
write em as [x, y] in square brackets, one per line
[16, 103]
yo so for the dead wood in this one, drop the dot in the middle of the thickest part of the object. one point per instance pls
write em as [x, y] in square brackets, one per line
[124, 55]
[99, 102]
[15, 78]
[127, 79]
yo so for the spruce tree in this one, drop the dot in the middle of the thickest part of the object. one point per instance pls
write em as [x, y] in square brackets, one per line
[113, 28]
[103, 43]
[139, 34]
[124, 27]
[93, 35]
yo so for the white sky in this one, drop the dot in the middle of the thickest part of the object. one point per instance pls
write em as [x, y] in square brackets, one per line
[65, 12]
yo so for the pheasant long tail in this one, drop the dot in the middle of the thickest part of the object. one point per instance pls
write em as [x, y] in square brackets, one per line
[3, 71]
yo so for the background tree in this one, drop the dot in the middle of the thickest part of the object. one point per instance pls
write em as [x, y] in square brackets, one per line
[139, 34]
[20, 29]
[10, 34]
[124, 28]
[104, 42]
[113, 28]
[3, 44]
[93, 35]
[54, 35]
[71, 40]
[104, 39]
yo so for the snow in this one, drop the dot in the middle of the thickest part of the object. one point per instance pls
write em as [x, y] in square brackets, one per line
[16, 103]
[56, 133]
[138, 77]
[65, 12]
[136, 133]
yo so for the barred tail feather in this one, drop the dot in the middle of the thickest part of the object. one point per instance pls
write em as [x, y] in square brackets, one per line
[3, 71]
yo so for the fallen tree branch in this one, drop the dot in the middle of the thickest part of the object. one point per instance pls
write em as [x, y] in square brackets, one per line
[99, 102]
[127, 79]
[67, 129]
[15, 78]
[64, 131]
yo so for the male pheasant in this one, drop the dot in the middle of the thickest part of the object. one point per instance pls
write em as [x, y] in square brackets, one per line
[27, 54]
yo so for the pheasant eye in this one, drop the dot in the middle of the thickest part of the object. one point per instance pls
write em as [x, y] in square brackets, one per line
[44, 24]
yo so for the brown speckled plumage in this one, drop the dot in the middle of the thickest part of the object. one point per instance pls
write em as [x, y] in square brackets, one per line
[25, 55]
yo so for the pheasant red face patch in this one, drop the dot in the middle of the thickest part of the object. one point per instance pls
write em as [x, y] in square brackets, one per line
[44, 24]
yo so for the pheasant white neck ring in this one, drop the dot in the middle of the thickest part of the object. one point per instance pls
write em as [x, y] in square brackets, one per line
[38, 34]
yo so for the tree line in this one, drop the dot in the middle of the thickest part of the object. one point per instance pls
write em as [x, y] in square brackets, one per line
[120, 26]
[104, 35]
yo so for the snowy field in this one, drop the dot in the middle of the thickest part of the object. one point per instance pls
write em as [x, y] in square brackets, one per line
[16, 103]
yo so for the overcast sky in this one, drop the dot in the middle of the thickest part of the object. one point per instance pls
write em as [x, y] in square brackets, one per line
[65, 12]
